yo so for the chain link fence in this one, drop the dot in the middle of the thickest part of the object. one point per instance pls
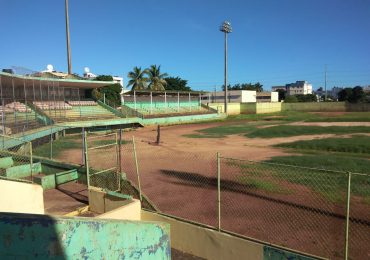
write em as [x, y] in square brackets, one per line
[304, 209]
[103, 160]
[16, 160]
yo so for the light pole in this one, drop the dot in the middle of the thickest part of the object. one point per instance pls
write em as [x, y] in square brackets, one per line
[225, 28]
[68, 44]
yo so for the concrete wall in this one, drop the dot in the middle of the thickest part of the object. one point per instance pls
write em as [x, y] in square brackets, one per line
[211, 244]
[130, 211]
[25, 236]
[263, 108]
[101, 202]
[21, 197]
[315, 106]
[232, 108]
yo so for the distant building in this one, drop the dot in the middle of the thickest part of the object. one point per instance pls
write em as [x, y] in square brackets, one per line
[331, 93]
[276, 88]
[118, 80]
[299, 88]
[241, 96]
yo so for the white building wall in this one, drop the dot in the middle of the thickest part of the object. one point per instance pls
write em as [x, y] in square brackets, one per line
[249, 96]
[274, 96]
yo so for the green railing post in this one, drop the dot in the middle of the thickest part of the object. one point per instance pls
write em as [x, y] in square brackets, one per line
[86, 158]
[219, 190]
[137, 167]
[347, 215]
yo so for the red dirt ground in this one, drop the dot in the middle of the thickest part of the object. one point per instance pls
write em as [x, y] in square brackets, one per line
[180, 177]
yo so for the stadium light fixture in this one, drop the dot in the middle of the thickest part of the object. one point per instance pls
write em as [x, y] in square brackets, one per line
[226, 29]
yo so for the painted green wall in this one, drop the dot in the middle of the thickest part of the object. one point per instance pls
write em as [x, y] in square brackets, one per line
[22, 171]
[45, 237]
[6, 162]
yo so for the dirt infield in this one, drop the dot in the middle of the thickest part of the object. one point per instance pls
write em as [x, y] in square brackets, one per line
[180, 177]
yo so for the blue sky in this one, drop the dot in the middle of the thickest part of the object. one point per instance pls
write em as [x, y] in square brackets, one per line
[273, 42]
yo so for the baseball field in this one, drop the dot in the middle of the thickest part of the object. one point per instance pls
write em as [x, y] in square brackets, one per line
[284, 177]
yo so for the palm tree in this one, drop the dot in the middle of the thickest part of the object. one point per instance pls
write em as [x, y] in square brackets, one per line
[138, 81]
[157, 81]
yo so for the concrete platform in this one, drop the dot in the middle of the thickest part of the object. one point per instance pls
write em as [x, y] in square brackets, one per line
[67, 198]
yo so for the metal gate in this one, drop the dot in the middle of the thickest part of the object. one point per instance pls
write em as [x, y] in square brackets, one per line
[102, 155]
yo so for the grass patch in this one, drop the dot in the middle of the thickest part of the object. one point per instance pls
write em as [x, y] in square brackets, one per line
[332, 185]
[58, 146]
[224, 130]
[346, 117]
[295, 116]
[355, 144]
[107, 142]
[295, 130]
[261, 184]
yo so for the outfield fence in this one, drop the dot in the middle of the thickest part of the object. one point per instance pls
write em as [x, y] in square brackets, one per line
[316, 211]
[320, 212]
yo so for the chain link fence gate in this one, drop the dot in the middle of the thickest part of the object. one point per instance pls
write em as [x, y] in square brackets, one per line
[102, 155]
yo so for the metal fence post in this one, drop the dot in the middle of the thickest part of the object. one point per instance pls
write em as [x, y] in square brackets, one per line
[86, 159]
[219, 190]
[347, 215]
[137, 167]
[31, 161]
[51, 143]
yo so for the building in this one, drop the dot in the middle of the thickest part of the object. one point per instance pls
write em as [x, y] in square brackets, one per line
[89, 75]
[276, 88]
[118, 80]
[241, 96]
[299, 88]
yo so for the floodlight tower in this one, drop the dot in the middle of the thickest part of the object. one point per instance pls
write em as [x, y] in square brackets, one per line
[68, 44]
[226, 29]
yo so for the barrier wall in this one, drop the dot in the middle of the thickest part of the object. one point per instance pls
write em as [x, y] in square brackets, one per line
[45, 237]
[315, 106]
[211, 244]
[326, 107]
[262, 108]
[21, 197]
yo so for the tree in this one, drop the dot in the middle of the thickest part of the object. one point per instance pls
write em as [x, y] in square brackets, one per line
[177, 84]
[156, 78]
[306, 98]
[291, 99]
[111, 92]
[245, 86]
[358, 95]
[137, 79]
[345, 94]
[282, 94]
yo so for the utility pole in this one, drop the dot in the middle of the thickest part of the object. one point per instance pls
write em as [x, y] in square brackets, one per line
[226, 29]
[68, 43]
[326, 92]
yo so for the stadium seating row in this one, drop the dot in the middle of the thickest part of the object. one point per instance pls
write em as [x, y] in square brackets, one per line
[47, 105]
[15, 106]
[82, 103]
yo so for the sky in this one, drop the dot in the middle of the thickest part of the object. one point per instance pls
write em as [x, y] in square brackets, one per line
[273, 42]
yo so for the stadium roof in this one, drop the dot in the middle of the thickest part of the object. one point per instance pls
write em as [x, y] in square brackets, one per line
[67, 83]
